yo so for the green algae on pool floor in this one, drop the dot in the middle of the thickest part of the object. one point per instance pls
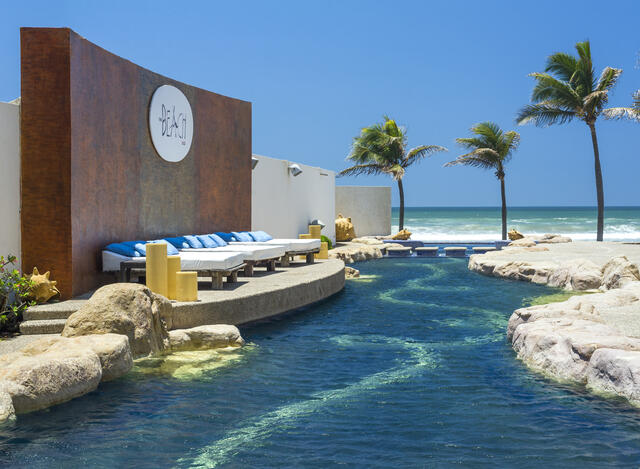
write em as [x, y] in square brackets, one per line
[411, 369]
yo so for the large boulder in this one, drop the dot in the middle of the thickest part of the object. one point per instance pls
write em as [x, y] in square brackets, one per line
[578, 274]
[205, 337]
[356, 253]
[616, 372]
[553, 239]
[618, 272]
[113, 351]
[38, 378]
[55, 369]
[125, 308]
[522, 242]
[562, 347]
[350, 272]
[7, 412]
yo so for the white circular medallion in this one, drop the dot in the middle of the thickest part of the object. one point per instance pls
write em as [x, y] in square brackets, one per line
[170, 123]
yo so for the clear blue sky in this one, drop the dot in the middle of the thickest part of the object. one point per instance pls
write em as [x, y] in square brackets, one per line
[316, 72]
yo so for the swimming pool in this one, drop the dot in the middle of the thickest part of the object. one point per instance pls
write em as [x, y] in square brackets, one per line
[407, 366]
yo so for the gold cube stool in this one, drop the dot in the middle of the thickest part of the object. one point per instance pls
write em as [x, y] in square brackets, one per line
[187, 286]
[324, 251]
[157, 268]
[173, 267]
[314, 231]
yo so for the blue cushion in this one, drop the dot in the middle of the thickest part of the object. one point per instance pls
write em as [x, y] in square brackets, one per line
[218, 240]
[141, 247]
[228, 237]
[260, 236]
[193, 242]
[206, 241]
[179, 242]
[242, 236]
[122, 249]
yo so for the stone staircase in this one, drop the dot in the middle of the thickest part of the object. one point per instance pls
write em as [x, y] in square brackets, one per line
[48, 318]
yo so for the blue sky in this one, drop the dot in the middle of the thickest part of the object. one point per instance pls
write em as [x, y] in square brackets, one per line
[316, 72]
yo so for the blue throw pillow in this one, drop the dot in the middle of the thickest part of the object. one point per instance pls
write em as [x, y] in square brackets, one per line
[141, 247]
[179, 242]
[206, 241]
[218, 240]
[122, 249]
[228, 237]
[260, 236]
[193, 242]
[242, 236]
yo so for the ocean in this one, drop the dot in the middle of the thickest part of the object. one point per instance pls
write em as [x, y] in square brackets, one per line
[484, 223]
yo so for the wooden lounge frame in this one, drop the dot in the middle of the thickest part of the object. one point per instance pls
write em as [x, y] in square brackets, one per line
[217, 276]
[310, 256]
[269, 263]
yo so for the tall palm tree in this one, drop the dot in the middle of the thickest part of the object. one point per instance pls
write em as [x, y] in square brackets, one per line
[632, 112]
[568, 90]
[382, 149]
[491, 148]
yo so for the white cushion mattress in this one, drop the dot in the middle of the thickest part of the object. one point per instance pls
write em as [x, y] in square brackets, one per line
[249, 253]
[290, 245]
[198, 261]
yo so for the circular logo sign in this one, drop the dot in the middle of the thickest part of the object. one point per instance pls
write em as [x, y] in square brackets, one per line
[170, 123]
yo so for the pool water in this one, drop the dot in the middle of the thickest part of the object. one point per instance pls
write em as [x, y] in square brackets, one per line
[408, 366]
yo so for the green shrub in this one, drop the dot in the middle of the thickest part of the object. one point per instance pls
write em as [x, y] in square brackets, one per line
[14, 289]
[324, 239]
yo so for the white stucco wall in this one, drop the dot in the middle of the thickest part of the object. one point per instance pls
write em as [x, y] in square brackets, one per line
[283, 205]
[368, 206]
[10, 185]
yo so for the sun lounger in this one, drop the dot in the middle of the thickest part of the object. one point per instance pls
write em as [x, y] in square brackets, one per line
[217, 265]
[292, 247]
[252, 255]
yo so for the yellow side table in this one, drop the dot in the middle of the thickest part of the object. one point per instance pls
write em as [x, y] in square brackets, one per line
[173, 267]
[324, 251]
[187, 286]
[157, 268]
[314, 231]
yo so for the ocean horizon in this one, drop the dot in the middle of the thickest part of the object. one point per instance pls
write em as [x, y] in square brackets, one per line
[622, 223]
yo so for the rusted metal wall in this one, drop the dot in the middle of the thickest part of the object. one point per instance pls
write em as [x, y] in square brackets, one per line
[90, 173]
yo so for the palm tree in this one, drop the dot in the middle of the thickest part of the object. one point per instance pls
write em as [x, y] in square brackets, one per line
[571, 90]
[490, 149]
[632, 112]
[382, 149]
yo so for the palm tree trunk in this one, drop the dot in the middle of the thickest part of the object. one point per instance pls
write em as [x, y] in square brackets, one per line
[599, 188]
[504, 209]
[401, 221]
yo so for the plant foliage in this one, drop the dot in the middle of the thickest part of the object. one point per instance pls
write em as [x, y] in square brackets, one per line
[14, 289]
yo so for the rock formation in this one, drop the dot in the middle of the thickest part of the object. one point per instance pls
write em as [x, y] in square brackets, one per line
[7, 412]
[357, 252]
[553, 239]
[350, 272]
[205, 337]
[522, 242]
[42, 288]
[125, 308]
[514, 234]
[56, 369]
[344, 229]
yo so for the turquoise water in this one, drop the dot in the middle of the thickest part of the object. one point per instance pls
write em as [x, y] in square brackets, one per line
[406, 367]
[484, 223]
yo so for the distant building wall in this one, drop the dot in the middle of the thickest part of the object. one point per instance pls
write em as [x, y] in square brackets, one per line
[10, 186]
[283, 204]
[369, 208]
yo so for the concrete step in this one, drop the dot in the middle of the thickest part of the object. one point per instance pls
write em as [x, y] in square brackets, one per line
[43, 326]
[42, 314]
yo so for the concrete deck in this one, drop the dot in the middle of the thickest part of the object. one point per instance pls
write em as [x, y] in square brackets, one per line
[265, 295]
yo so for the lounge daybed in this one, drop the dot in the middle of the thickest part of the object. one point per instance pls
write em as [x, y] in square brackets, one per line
[217, 265]
[292, 247]
[252, 255]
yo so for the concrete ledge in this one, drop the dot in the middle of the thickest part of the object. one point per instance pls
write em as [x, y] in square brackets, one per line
[274, 294]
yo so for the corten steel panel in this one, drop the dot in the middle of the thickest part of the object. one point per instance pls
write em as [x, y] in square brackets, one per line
[45, 146]
[120, 189]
